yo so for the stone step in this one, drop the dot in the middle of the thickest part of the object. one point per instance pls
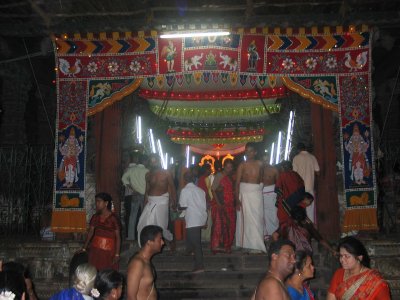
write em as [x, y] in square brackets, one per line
[206, 294]
[227, 276]
[232, 262]
[178, 261]
[208, 279]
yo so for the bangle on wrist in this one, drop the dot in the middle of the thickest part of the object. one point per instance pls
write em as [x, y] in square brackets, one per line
[117, 255]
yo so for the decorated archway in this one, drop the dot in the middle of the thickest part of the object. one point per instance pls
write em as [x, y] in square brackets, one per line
[330, 66]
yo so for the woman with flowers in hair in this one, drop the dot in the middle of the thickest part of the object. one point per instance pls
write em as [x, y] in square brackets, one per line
[83, 283]
[12, 286]
[104, 235]
[108, 285]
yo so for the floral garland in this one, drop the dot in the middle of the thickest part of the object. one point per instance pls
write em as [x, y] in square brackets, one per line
[214, 95]
[212, 140]
[7, 295]
[190, 113]
[218, 133]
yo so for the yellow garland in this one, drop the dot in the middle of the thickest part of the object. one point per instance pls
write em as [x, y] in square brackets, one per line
[215, 112]
[234, 140]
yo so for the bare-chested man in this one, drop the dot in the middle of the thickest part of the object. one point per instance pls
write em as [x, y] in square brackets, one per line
[160, 193]
[270, 175]
[281, 256]
[140, 274]
[249, 203]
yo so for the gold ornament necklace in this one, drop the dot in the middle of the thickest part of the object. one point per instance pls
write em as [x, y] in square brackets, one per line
[273, 276]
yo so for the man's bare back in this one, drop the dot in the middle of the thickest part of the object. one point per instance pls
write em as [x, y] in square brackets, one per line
[249, 171]
[270, 175]
[140, 279]
[158, 181]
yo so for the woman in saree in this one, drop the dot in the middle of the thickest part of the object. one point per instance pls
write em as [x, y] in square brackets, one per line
[355, 280]
[296, 283]
[104, 235]
[83, 282]
[223, 211]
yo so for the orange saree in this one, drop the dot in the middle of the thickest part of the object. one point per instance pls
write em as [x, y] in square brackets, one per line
[368, 285]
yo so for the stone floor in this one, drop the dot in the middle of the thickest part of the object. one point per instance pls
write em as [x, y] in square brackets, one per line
[227, 276]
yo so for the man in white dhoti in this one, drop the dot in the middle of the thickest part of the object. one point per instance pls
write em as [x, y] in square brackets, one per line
[159, 196]
[249, 203]
[156, 213]
[271, 222]
[270, 211]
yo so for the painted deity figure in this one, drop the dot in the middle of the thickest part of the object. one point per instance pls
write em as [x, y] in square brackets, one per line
[359, 173]
[357, 146]
[69, 166]
[253, 56]
[169, 52]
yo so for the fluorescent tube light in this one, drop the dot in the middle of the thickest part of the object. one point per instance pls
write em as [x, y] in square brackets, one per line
[278, 148]
[271, 158]
[193, 34]
[187, 156]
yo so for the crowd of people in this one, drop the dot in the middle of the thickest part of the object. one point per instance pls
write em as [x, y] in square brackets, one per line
[249, 209]
[287, 278]
[290, 271]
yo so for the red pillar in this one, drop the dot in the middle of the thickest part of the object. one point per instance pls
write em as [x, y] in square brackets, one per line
[326, 187]
[108, 153]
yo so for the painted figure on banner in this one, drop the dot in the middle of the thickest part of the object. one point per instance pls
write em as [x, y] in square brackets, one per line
[228, 61]
[253, 56]
[194, 61]
[69, 167]
[357, 146]
[325, 88]
[211, 62]
[98, 92]
[169, 52]
[357, 64]
[67, 69]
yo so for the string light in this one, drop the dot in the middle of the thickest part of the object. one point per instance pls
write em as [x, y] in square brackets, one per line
[223, 95]
[210, 133]
[235, 140]
[192, 112]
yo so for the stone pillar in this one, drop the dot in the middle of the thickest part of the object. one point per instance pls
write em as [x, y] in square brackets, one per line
[14, 95]
[108, 153]
[326, 188]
